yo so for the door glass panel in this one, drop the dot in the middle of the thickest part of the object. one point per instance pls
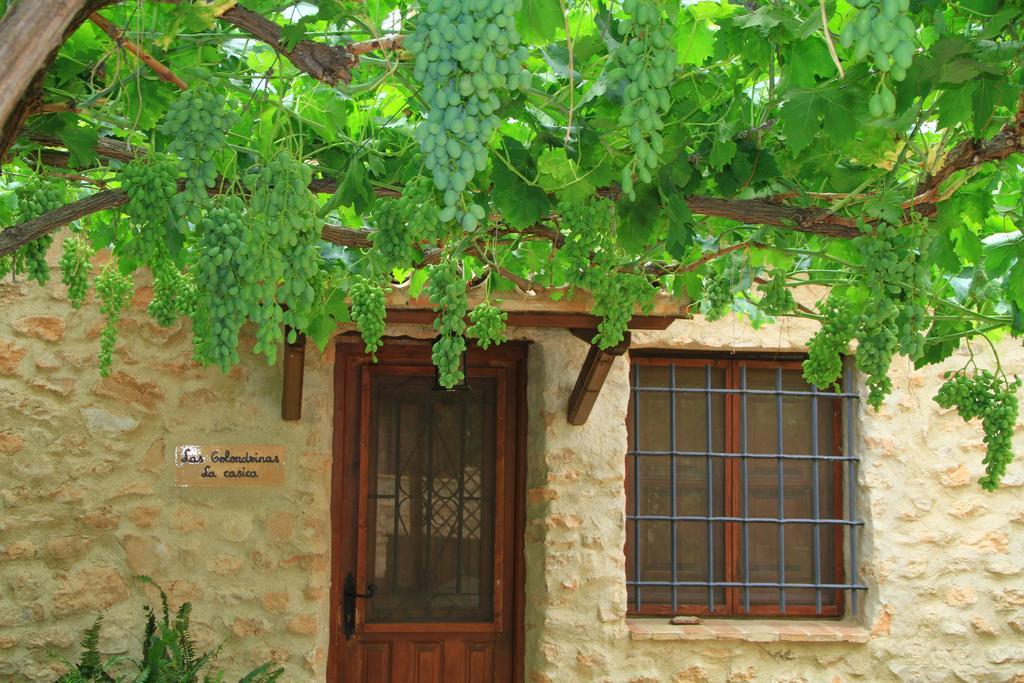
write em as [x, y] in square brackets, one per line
[431, 493]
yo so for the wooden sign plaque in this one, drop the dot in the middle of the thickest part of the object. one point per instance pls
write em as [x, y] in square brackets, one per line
[228, 466]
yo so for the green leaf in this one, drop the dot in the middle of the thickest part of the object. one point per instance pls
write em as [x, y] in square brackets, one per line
[984, 103]
[320, 330]
[521, 205]
[806, 60]
[695, 41]
[293, 34]
[800, 115]
[557, 172]
[956, 105]
[538, 20]
[723, 149]
[763, 18]
[416, 282]
[81, 143]
[680, 227]
[964, 69]
[353, 190]
[337, 306]
[638, 220]
[937, 350]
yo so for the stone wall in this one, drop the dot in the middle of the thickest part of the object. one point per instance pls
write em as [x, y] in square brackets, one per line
[87, 495]
[942, 558]
[87, 501]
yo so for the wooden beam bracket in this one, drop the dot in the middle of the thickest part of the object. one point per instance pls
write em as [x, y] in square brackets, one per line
[592, 375]
[294, 368]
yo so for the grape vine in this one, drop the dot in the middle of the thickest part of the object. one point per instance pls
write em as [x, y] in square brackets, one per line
[196, 123]
[221, 303]
[466, 51]
[279, 259]
[35, 198]
[720, 286]
[114, 290]
[594, 264]
[75, 263]
[487, 325]
[368, 311]
[824, 365]
[169, 296]
[648, 60]
[883, 30]
[993, 398]
[447, 290]
[895, 277]
[776, 298]
[151, 183]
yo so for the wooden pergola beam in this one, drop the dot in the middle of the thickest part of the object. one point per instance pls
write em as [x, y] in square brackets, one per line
[593, 374]
[570, 320]
[294, 370]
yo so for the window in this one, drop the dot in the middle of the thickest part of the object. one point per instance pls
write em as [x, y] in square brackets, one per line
[738, 475]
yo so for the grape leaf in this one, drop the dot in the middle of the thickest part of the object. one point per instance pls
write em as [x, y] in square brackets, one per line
[538, 20]
[521, 205]
[695, 41]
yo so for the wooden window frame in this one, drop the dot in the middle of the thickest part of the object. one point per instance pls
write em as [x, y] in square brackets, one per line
[734, 605]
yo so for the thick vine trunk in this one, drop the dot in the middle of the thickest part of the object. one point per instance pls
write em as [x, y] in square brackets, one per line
[30, 35]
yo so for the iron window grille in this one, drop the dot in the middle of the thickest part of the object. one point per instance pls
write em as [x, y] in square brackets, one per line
[740, 489]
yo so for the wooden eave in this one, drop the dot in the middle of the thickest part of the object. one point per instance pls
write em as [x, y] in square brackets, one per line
[525, 309]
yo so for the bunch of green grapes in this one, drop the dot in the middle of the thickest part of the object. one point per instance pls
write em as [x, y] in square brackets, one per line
[220, 306]
[168, 287]
[587, 239]
[877, 343]
[196, 123]
[75, 263]
[896, 276]
[911, 321]
[151, 183]
[883, 30]
[187, 295]
[404, 222]
[368, 311]
[487, 325]
[840, 322]
[114, 290]
[994, 400]
[718, 291]
[647, 59]
[595, 265]
[616, 295]
[392, 238]
[35, 198]
[447, 290]
[418, 204]
[467, 52]
[279, 261]
[777, 298]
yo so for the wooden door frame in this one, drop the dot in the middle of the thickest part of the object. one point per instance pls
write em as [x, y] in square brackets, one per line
[349, 356]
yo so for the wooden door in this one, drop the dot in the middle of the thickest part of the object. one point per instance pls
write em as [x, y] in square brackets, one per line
[427, 510]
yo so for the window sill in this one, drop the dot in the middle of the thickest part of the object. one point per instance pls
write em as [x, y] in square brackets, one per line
[753, 631]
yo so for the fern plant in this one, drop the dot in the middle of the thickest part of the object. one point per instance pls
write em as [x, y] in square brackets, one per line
[168, 654]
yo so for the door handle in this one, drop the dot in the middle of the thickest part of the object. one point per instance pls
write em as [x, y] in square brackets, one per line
[348, 604]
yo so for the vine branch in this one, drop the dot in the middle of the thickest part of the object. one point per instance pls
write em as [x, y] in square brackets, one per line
[117, 35]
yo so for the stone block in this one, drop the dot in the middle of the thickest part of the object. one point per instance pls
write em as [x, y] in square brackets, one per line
[49, 328]
[89, 589]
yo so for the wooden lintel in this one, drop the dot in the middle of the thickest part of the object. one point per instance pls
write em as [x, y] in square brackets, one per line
[425, 316]
[592, 376]
[294, 367]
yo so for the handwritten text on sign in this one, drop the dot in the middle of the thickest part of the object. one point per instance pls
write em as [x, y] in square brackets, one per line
[228, 466]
